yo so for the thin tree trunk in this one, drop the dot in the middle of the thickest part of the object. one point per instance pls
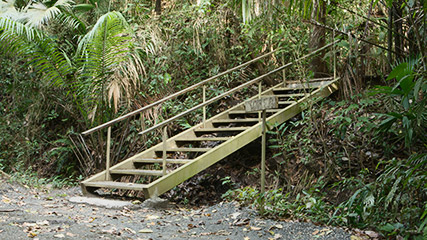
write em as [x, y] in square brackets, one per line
[158, 7]
[317, 39]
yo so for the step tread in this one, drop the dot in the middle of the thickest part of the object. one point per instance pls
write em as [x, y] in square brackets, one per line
[159, 160]
[244, 111]
[118, 185]
[202, 139]
[294, 88]
[137, 172]
[286, 95]
[241, 120]
[226, 129]
[184, 149]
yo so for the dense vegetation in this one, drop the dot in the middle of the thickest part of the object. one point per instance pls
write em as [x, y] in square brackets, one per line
[359, 160]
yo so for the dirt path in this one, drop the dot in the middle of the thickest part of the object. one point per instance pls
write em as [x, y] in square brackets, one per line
[41, 214]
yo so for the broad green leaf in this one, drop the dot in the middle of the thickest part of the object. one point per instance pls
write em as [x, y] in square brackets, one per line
[397, 71]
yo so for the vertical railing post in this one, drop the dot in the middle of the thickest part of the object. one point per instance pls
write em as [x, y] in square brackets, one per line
[107, 168]
[164, 138]
[335, 55]
[259, 97]
[204, 107]
[283, 71]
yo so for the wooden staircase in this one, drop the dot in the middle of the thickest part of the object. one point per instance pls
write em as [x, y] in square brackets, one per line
[174, 160]
[197, 148]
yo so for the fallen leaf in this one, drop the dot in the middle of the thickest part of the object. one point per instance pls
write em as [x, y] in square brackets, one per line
[43, 223]
[151, 217]
[235, 215]
[59, 235]
[32, 234]
[352, 237]
[6, 200]
[70, 234]
[275, 237]
[241, 222]
[278, 226]
[129, 230]
[255, 228]
[145, 231]
[246, 238]
[372, 234]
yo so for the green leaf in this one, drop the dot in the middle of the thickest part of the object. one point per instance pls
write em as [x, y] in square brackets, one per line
[397, 71]
[83, 7]
[387, 228]
[406, 84]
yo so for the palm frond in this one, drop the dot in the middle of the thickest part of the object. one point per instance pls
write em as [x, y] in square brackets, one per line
[39, 14]
[14, 27]
[111, 66]
[110, 18]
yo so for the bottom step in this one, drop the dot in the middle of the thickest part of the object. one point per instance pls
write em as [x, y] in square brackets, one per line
[118, 185]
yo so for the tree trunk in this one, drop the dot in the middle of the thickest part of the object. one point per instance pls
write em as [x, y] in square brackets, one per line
[158, 8]
[317, 39]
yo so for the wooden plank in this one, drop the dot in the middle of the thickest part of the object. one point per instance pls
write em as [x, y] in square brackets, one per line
[289, 95]
[137, 172]
[203, 139]
[218, 130]
[261, 104]
[186, 150]
[236, 112]
[286, 102]
[159, 160]
[236, 120]
[117, 185]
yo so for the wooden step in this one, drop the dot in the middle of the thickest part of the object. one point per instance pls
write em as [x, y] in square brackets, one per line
[136, 172]
[203, 139]
[290, 95]
[117, 185]
[239, 120]
[159, 160]
[238, 112]
[294, 88]
[286, 102]
[184, 149]
[220, 130]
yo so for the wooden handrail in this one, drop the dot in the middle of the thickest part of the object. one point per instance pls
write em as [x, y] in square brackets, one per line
[109, 123]
[234, 90]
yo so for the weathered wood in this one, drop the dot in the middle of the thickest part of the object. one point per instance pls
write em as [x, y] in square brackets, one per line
[185, 150]
[158, 160]
[202, 162]
[236, 120]
[117, 185]
[218, 130]
[203, 139]
[237, 112]
[137, 172]
[263, 103]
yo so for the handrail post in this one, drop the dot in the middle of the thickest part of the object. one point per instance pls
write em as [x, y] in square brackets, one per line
[204, 107]
[259, 96]
[284, 71]
[164, 138]
[107, 168]
[335, 55]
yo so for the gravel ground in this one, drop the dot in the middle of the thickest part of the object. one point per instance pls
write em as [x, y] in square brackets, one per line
[48, 214]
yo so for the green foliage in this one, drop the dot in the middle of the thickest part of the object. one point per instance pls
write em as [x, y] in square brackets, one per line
[408, 120]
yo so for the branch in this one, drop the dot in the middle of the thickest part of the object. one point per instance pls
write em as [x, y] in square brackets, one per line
[344, 33]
